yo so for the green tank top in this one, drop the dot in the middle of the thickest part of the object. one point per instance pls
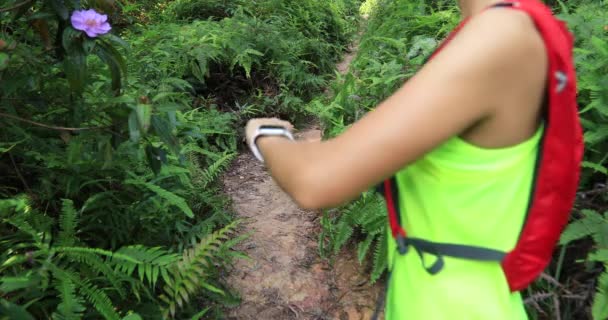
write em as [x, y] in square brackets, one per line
[460, 193]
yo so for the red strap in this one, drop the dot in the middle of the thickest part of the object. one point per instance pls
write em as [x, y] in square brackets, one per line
[396, 229]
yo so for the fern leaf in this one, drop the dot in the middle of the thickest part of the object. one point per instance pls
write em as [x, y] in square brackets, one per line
[599, 309]
[67, 224]
[599, 255]
[171, 197]
[149, 262]
[586, 226]
[213, 171]
[190, 272]
[200, 314]
[71, 305]
[364, 247]
[95, 296]
[98, 267]
[380, 262]
[97, 251]
[343, 233]
[99, 299]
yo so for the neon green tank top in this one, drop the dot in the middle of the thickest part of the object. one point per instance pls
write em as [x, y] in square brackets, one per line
[460, 193]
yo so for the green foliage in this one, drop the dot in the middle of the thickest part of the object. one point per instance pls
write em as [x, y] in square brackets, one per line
[600, 302]
[591, 58]
[594, 225]
[365, 219]
[204, 9]
[140, 12]
[269, 56]
[75, 277]
[111, 147]
[588, 21]
[190, 273]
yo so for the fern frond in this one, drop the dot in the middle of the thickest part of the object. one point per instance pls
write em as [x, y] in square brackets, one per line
[150, 263]
[98, 267]
[71, 306]
[67, 224]
[380, 262]
[99, 299]
[190, 273]
[200, 314]
[344, 231]
[213, 171]
[586, 226]
[598, 255]
[96, 251]
[192, 149]
[599, 309]
[95, 296]
[169, 196]
[363, 247]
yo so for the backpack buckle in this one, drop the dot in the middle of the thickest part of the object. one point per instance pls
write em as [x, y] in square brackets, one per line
[402, 244]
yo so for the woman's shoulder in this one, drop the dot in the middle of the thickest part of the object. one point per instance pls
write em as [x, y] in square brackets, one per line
[512, 31]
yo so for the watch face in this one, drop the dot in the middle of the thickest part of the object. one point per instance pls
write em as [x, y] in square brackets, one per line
[271, 127]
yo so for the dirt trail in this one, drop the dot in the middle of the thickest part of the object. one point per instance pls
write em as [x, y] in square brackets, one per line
[285, 278]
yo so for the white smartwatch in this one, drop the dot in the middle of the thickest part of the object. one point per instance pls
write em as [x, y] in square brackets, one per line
[266, 131]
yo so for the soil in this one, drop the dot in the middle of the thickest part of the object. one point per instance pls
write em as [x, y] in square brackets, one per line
[285, 278]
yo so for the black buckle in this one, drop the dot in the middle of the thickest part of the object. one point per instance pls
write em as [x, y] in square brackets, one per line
[402, 244]
[421, 247]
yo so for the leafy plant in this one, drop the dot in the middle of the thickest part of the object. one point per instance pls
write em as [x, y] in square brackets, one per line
[594, 225]
[54, 268]
[112, 146]
[274, 56]
[365, 218]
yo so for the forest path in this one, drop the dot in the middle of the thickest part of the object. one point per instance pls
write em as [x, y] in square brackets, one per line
[285, 277]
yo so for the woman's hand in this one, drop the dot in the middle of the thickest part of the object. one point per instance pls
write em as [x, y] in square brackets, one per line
[254, 124]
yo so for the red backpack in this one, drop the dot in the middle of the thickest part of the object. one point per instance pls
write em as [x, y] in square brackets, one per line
[556, 174]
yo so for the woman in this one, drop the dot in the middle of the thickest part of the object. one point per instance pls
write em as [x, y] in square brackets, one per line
[462, 138]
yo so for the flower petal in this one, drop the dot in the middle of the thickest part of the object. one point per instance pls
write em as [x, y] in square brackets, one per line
[77, 17]
[104, 28]
[79, 25]
[91, 33]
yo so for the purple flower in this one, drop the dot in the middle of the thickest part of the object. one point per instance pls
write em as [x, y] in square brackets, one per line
[91, 22]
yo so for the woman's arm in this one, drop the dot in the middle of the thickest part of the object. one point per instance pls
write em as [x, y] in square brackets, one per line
[460, 88]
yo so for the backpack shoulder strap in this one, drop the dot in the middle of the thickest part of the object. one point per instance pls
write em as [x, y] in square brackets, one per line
[560, 155]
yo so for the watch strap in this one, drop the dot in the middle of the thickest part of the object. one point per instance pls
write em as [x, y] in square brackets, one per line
[267, 131]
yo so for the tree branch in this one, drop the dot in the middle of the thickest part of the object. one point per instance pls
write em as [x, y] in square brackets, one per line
[50, 126]
[20, 4]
